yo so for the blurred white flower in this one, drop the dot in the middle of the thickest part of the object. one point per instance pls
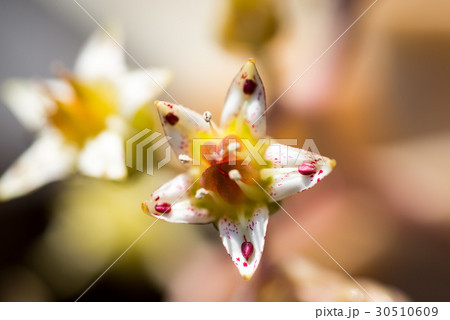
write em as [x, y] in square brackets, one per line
[81, 119]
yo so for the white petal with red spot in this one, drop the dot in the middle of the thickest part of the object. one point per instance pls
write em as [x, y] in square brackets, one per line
[287, 165]
[246, 98]
[252, 230]
[103, 157]
[182, 125]
[101, 57]
[48, 159]
[172, 202]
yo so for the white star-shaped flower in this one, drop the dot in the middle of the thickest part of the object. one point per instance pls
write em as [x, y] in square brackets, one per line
[234, 172]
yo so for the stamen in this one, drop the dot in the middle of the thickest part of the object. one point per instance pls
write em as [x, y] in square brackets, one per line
[184, 158]
[201, 193]
[234, 174]
[207, 116]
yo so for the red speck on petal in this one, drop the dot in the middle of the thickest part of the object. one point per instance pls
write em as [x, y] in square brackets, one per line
[307, 168]
[171, 118]
[321, 171]
[249, 86]
[163, 207]
[244, 264]
[157, 198]
[238, 259]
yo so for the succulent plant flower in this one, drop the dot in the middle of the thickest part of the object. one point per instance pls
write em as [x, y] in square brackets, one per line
[234, 173]
[81, 118]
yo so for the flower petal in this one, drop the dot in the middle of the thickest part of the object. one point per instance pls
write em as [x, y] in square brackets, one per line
[246, 98]
[103, 157]
[100, 57]
[138, 87]
[182, 125]
[47, 159]
[29, 101]
[235, 234]
[287, 165]
[172, 203]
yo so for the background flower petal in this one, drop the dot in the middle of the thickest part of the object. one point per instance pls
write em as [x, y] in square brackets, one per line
[47, 159]
[136, 88]
[103, 156]
[100, 57]
[28, 101]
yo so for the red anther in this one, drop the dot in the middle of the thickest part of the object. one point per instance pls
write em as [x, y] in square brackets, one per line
[246, 249]
[171, 118]
[163, 207]
[307, 168]
[249, 86]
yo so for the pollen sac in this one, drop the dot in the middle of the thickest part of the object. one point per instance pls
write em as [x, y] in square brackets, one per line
[163, 207]
[307, 168]
[249, 86]
[171, 118]
[247, 249]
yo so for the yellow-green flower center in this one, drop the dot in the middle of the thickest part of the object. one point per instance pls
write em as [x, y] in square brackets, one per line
[84, 115]
[229, 176]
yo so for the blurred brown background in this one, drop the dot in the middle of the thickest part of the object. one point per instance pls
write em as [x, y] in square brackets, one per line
[378, 102]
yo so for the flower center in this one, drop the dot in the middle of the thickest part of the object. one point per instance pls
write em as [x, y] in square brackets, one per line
[230, 182]
[226, 172]
[83, 115]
